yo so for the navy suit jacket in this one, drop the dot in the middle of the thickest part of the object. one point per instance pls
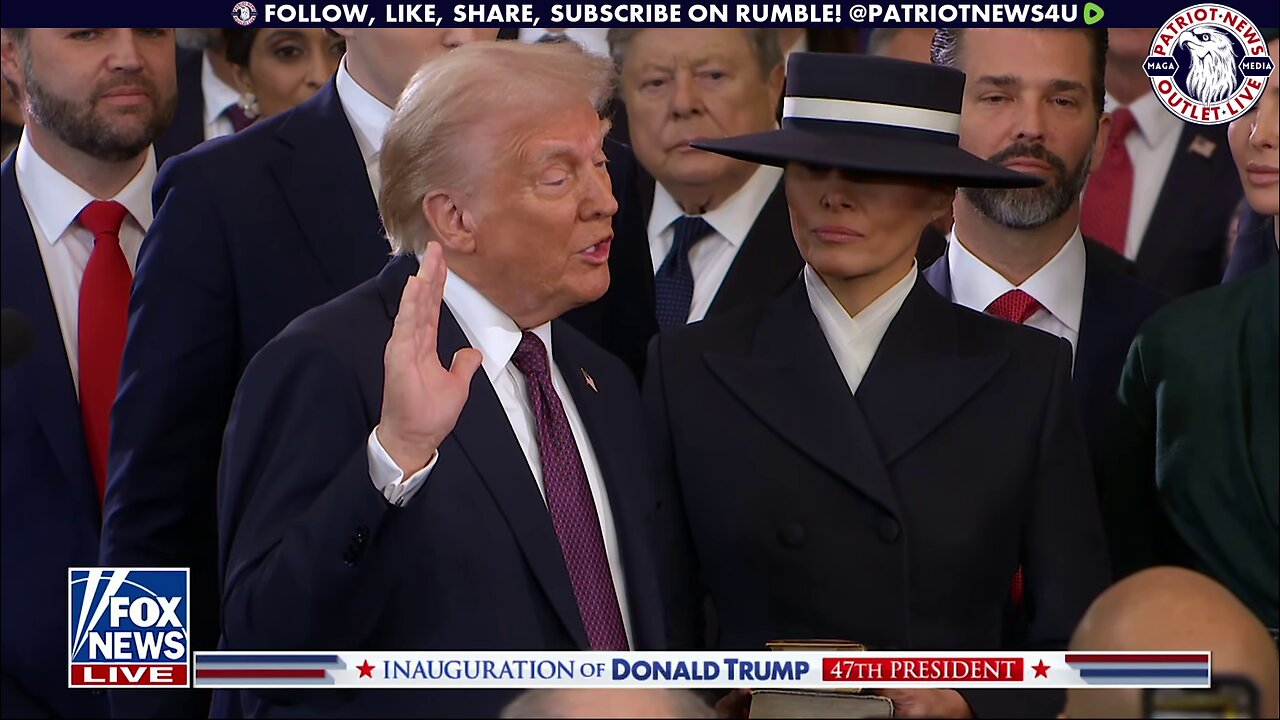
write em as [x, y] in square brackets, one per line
[894, 517]
[50, 508]
[315, 558]
[187, 129]
[1185, 246]
[251, 231]
[1115, 306]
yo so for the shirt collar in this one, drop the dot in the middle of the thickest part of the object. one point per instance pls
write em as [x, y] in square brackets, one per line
[735, 216]
[218, 96]
[1153, 120]
[366, 113]
[869, 324]
[486, 326]
[55, 201]
[1058, 286]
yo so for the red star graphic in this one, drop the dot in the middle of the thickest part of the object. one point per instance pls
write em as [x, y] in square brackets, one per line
[1042, 670]
[366, 670]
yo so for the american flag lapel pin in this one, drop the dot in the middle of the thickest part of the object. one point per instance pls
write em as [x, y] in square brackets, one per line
[1202, 146]
[591, 383]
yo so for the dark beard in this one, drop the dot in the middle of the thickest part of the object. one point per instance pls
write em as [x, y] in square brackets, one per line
[77, 125]
[1027, 208]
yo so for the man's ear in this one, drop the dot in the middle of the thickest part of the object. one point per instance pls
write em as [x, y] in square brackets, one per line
[11, 65]
[452, 224]
[776, 81]
[945, 199]
[1100, 142]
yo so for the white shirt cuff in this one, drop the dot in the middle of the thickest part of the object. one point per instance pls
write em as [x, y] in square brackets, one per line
[389, 479]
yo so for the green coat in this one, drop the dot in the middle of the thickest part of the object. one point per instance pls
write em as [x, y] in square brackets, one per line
[1202, 393]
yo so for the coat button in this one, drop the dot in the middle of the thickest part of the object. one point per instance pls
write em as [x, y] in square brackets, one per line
[792, 535]
[889, 529]
[362, 534]
[351, 555]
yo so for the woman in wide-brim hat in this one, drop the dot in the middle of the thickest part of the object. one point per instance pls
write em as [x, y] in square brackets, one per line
[859, 459]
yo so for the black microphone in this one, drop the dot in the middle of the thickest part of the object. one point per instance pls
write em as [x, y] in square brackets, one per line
[17, 337]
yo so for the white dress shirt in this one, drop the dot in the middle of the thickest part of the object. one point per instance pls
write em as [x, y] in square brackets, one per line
[369, 119]
[496, 336]
[855, 340]
[53, 203]
[711, 257]
[1151, 146]
[1058, 286]
[593, 40]
[217, 97]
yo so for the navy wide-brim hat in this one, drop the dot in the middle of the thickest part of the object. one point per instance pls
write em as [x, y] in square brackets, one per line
[875, 116]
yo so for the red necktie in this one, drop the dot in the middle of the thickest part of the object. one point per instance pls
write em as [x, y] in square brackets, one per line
[569, 500]
[1015, 306]
[104, 311]
[1109, 194]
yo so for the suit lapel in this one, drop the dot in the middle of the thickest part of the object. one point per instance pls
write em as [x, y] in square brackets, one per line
[1173, 214]
[790, 381]
[483, 435]
[1095, 342]
[45, 375]
[767, 259]
[595, 401]
[327, 188]
[920, 377]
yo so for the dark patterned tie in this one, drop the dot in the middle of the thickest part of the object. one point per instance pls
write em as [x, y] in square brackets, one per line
[673, 283]
[569, 500]
[238, 117]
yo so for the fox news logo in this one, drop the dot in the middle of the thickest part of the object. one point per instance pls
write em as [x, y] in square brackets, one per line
[128, 627]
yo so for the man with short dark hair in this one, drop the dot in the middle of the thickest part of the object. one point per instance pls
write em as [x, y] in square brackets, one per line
[76, 200]
[1033, 102]
[1166, 192]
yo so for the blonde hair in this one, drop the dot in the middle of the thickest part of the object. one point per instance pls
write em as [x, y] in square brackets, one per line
[431, 141]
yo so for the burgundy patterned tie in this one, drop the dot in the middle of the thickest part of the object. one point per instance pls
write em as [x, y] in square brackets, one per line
[569, 500]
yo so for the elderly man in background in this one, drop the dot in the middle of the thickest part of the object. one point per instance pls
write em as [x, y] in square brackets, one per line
[376, 492]
[699, 234]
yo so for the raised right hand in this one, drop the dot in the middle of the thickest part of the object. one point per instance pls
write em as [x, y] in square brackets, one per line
[421, 400]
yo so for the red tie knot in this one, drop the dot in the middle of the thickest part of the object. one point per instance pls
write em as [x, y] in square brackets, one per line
[103, 217]
[1122, 123]
[1014, 306]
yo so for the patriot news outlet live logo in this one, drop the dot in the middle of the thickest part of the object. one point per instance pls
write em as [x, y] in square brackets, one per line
[1208, 64]
[128, 627]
